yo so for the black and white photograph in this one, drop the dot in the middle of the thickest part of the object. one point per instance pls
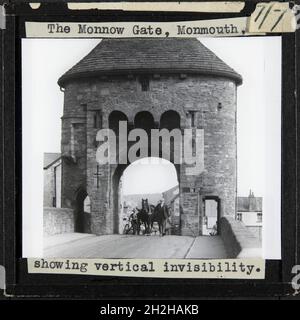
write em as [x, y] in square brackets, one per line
[152, 148]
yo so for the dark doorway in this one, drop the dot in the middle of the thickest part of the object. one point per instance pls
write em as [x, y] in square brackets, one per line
[81, 218]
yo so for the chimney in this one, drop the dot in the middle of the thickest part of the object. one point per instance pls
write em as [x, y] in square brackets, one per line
[252, 201]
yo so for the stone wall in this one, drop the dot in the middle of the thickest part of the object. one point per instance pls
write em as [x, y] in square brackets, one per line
[238, 240]
[213, 99]
[58, 220]
[49, 193]
[256, 230]
[52, 193]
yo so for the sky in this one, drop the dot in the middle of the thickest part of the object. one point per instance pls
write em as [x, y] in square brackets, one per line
[257, 59]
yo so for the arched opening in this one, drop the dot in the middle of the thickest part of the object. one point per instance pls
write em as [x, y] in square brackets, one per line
[144, 120]
[82, 212]
[170, 120]
[149, 178]
[114, 118]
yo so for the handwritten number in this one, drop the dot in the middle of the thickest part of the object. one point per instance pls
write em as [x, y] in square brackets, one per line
[280, 17]
[260, 12]
[264, 17]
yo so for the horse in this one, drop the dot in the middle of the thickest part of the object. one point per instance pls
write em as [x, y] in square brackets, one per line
[143, 216]
[160, 215]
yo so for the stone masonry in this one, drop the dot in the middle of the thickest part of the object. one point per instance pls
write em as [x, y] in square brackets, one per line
[203, 101]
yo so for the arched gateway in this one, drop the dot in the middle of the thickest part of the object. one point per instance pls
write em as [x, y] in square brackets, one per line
[150, 84]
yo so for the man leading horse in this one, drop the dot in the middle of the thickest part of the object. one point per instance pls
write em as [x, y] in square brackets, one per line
[160, 215]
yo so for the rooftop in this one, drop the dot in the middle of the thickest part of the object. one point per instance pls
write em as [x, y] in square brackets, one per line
[149, 55]
[50, 158]
[249, 204]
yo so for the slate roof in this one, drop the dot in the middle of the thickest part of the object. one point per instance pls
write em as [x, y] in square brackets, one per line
[243, 204]
[149, 55]
[50, 159]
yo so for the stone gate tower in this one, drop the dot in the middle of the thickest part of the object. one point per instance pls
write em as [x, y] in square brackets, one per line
[150, 83]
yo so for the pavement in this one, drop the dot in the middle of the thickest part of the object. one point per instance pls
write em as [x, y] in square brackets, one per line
[78, 245]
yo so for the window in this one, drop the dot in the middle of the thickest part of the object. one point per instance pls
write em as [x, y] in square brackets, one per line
[239, 217]
[144, 81]
[259, 217]
[192, 118]
[98, 120]
[83, 106]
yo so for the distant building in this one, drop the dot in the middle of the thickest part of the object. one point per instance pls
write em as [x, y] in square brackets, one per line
[249, 211]
[52, 180]
[171, 198]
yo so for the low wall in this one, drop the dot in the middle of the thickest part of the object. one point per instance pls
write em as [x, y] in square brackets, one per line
[238, 240]
[58, 220]
[256, 230]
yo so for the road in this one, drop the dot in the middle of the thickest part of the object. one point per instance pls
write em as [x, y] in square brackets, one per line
[76, 245]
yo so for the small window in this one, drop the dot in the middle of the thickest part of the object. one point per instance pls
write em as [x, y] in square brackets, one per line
[98, 120]
[144, 81]
[259, 217]
[83, 106]
[192, 119]
[239, 217]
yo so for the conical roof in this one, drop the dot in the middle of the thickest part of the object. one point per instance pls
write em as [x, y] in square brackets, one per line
[149, 55]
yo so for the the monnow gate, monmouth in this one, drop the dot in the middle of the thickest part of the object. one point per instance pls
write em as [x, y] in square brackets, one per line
[150, 83]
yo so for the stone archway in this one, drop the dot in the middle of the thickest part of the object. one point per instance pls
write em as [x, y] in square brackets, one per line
[143, 120]
[116, 178]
